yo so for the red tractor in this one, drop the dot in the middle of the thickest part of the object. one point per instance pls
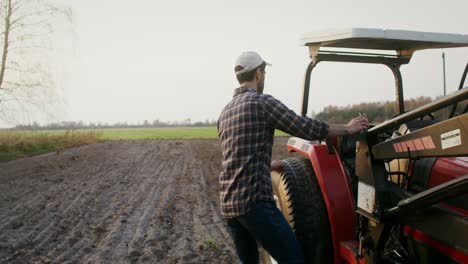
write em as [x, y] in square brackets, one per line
[395, 193]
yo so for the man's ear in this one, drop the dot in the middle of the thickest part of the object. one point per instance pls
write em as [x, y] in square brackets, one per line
[258, 73]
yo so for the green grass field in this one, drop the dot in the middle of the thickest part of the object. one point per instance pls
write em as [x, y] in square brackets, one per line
[17, 143]
[162, 133]
[157, 133]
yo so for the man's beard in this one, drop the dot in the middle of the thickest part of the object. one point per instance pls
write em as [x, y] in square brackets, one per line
[260, 86]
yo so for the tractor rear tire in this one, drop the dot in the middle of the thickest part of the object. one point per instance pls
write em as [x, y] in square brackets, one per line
[300, 199]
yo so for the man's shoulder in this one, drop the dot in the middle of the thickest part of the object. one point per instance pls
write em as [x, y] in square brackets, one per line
[260, 96]
[269, 99]
[254, 98]
[268, 96]
[251, 97]
[247, 96]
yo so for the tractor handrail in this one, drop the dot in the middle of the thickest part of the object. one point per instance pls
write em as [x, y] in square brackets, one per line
[447, 190]
[421, 111]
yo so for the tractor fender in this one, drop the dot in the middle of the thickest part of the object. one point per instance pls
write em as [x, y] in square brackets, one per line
[336, 190]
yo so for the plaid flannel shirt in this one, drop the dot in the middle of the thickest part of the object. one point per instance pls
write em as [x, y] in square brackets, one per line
[246, 129]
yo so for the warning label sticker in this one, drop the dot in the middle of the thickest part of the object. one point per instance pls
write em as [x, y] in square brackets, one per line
[451, 139]
[366, 197]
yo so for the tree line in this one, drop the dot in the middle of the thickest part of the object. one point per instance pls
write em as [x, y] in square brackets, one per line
[100, 125]
[376, 112]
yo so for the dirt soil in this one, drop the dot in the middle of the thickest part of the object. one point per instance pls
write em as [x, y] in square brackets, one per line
[141, 201]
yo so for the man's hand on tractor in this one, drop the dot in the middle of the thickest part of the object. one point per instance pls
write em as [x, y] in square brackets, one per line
[357, 124]
[354, 126]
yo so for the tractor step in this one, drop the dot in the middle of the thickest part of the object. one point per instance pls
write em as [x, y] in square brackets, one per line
[349, 252]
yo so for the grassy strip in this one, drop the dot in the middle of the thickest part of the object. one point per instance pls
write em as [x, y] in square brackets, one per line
[163, 133]
[158, 133]
[19, 144]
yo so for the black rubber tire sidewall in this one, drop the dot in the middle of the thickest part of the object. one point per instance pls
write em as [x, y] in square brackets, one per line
[302, 203]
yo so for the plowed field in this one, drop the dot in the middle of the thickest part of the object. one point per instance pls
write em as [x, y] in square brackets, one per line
[142, 201]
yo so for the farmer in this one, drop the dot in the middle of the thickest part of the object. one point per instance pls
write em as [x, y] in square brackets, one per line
[246, 128]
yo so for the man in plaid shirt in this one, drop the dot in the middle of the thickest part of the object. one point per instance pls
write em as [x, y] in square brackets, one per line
[246, 128]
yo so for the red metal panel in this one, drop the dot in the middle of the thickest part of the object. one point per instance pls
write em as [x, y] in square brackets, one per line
[336, 191]
[446, 169]
[451, 252]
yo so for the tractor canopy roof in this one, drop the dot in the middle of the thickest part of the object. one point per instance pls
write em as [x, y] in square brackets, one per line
[383, 39]
[375, 46]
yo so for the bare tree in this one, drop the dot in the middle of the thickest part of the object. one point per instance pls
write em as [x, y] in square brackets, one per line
[26, 81]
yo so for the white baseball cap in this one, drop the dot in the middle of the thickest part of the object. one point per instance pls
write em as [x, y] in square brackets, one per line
[249, 60]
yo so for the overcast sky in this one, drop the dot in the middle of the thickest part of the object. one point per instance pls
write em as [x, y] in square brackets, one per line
[172, 60]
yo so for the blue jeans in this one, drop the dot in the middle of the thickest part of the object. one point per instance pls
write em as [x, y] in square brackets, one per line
[266, 224]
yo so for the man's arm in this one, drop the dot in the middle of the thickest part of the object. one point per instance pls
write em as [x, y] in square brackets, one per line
[283, 118]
